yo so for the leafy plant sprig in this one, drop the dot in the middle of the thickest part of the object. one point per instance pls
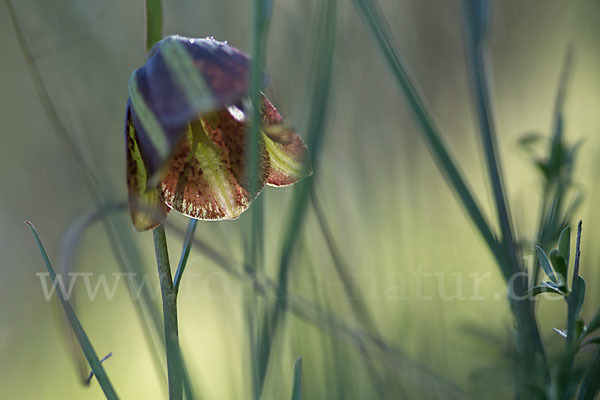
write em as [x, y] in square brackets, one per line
[566, 380]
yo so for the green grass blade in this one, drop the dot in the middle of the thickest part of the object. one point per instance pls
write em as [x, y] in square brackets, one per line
[431, 134]
[185, 253]
[261, 17]
[254, 238]
[359, 308]
[477, 16]
[319, 102]
[154, 22]
[476, 22]
[86, 345]
[297, 380]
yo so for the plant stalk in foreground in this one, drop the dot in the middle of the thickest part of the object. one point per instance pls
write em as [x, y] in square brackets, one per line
[169, 304]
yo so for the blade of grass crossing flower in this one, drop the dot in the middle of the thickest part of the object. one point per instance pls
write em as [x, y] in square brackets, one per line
[319, 99]
[297, 380]
[254, 240]
[185, 253]
[86, 345]
[153, 22]
[260, 24]
[381, 31]
[261, 14]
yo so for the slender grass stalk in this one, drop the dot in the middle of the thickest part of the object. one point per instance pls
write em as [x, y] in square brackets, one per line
[563, 377]
[431, 133]
[84, 341]
[504, 251]
[254, 241]
[154, 21]
[352, 291]
[359, 309]
[316, 125]
[546, 228]
[185, 253]
[477, 15]
[169, 302]
[261, 12]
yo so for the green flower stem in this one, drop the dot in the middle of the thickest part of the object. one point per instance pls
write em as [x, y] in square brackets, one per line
[154, 21]
[169, 303]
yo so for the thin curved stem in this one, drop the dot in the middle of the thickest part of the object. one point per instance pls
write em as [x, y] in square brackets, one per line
[185, 253]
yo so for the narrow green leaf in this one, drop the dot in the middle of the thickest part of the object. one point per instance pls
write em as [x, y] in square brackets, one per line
[319, 102]
[594, 323]
[297, 379]
[544, 289]
[545, 263]
[185, 253]
[431, 133]
[560, 266]
[153, 22]
[564, 245]
[86, 345]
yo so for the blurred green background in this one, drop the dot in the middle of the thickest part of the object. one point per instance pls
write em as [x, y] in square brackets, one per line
[390, 212]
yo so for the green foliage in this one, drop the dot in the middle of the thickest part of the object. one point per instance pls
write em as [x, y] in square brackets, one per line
[566, 379]
[84, 341]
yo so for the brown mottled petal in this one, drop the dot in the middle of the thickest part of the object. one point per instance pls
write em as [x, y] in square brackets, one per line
[146, 207]
[228, 131]
[288, 155]
[205, 178]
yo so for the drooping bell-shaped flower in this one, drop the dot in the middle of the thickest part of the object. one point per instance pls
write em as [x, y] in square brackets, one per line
[185, 134]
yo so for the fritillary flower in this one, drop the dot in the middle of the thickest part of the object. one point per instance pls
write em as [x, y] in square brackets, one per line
[185, 134]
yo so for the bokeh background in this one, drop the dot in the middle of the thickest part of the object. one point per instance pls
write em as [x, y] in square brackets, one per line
[389, 210]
